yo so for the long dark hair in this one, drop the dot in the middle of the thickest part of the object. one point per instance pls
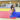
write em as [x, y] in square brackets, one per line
[12, 6]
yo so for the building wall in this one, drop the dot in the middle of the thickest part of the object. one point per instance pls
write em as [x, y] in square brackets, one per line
[7, 2]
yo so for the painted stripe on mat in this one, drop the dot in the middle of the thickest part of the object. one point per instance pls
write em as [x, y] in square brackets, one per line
[5, 9]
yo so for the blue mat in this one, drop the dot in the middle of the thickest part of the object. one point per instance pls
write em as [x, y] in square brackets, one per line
[15, 14]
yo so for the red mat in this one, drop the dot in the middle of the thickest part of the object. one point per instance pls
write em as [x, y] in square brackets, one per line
[5, 14]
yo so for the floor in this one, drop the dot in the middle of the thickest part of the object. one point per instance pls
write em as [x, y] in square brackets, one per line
[17, 10]
[9, 19]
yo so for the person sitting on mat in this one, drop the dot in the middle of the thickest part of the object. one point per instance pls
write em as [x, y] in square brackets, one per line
[12, 8]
